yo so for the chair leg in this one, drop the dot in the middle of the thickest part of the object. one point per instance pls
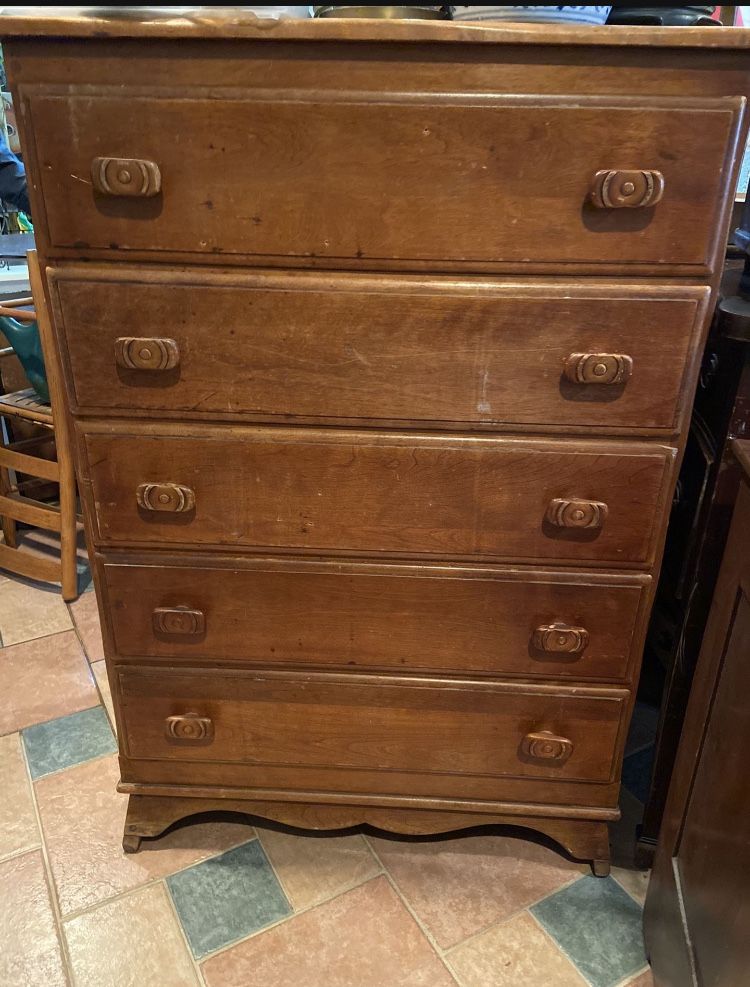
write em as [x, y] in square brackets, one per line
[68, 533]
[8, 524]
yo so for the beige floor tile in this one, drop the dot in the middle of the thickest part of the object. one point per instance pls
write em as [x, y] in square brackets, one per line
[460, 886]
[85, 615]
[364, 938]
[18, 828]
[82, 819]
[99, 668]
[30, 954]
[515, 954]
[43, 679]
[644, 980]
[313, 868]
[29, 610]
[635, 882]
[132, 940]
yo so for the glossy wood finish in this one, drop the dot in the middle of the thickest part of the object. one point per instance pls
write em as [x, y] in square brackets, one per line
[456, 149]
[390, 349]
[349, 724]
[347, 434]
[149, 816]
[372, 493]
[697, 914]
[402, 618]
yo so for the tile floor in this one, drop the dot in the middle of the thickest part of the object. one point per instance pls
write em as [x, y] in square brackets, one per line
[225, 905]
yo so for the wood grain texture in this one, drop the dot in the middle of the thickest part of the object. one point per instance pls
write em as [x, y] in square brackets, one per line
[435, 167]
[288, 180]
[324, 490]
[205, 25]
[389, 725]
[148, 817]
[353, 346]
[396, 617]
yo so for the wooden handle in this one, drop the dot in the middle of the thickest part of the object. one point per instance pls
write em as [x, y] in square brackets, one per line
[190, 728]
[131, 177]
[576, 513]
[169, 497]
[547, 746]
[146, 353]
[178, 620]
[560, 638]
[598, 368]
[627, 189]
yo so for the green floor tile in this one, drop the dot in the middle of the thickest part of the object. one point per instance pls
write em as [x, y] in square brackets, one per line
[67, 741]
[598, 925]
[228, 897]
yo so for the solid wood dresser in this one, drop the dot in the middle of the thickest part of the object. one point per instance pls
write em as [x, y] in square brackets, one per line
[380, 341]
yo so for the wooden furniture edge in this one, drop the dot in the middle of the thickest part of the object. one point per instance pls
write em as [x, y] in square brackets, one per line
[372, 30]
[148, 816]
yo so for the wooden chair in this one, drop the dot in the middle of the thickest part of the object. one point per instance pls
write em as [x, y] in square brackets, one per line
[18, 456]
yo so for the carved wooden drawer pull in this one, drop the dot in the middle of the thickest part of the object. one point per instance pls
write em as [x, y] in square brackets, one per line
[547, 746]
[145, 353]
[178, 620]
[598, 368]
[559, 638]
[576, 513]
[627, 189]
[171, 497]
[189, 729]
[130, 177]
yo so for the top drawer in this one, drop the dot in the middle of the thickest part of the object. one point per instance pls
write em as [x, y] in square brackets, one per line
[364, 179]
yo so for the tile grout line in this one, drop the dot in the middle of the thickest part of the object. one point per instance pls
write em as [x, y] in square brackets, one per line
[632, 977]
[20, 852]
[511, 916]
[41, 637]
[77, 912]
[437, 949]
[623, 982]
[181, 932]
[90, 663]
[558, 946]
[69, 767]
[49, 876]
[275, 873]
[20, 730]
[627, 892]
[287, 918]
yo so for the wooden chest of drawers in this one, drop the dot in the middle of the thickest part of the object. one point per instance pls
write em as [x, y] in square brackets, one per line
[379, 342]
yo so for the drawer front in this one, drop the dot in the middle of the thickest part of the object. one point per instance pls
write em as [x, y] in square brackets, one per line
[352, 178]
[324, 490]
[355, 347]
[420, 618]
[386, 726]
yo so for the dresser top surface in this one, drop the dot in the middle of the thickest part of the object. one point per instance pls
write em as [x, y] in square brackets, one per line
[50, 22]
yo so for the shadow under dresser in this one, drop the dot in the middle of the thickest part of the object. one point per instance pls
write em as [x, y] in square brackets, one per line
[380, 341]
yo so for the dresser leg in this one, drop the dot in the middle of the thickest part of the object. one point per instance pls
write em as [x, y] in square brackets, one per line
[600, 868]
[131, 844]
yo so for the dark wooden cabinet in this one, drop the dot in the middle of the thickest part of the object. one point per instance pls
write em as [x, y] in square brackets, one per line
[697, 917]
[699, 522]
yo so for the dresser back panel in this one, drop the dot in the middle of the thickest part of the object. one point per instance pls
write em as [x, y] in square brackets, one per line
[353, 615]
[331, 490]
[358, 347]
[513, 175]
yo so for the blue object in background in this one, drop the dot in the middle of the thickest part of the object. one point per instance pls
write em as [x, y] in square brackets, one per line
[24, 338]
